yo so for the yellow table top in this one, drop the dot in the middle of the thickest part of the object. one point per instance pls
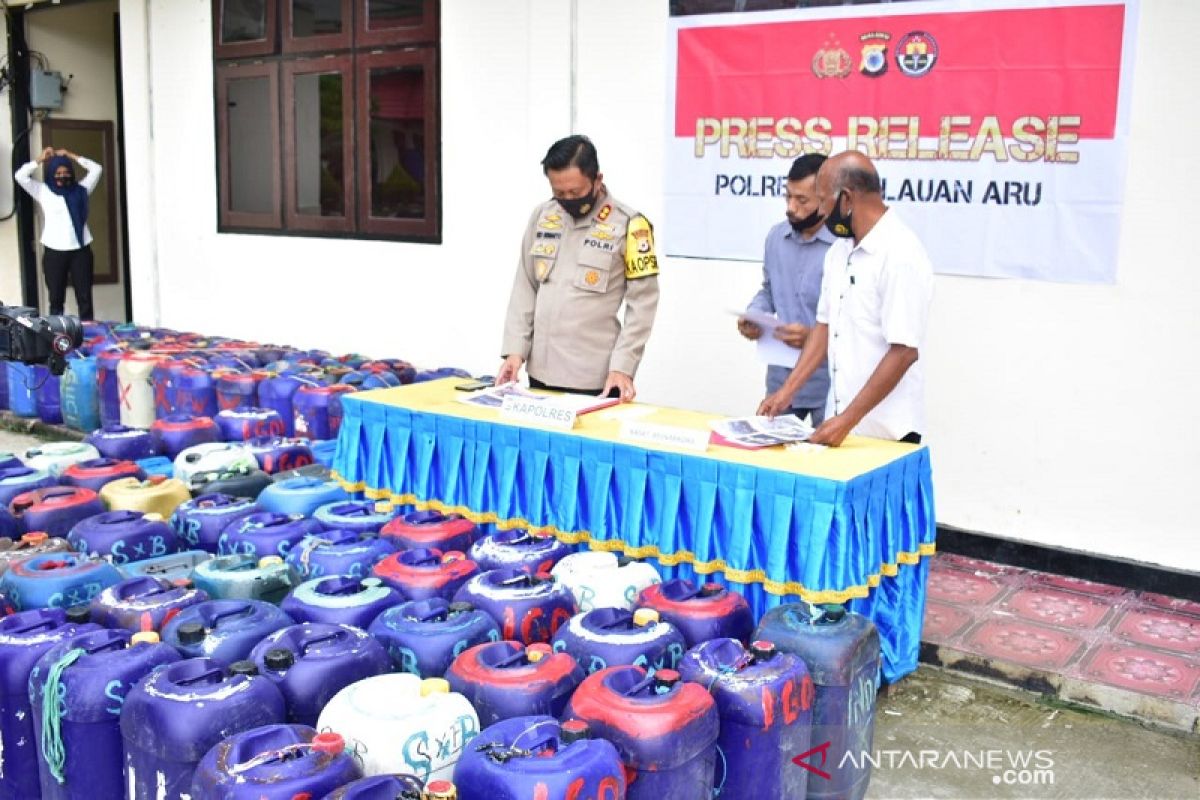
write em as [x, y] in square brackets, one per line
[857, 456]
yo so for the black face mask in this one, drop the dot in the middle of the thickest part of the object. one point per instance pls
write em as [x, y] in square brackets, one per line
[578, 207]
[801, 225]
[64, 181]
[838, 223]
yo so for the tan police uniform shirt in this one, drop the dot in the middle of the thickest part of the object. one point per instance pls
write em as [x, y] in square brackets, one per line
[571, 281]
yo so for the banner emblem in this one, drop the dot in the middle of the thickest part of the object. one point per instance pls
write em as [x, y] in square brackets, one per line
[916, 53]
[874, 54]
[831, 61]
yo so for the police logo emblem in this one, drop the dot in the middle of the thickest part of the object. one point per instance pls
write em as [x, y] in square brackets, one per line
[831, 61]
[591, 278]
[916, 53]
[874, 53]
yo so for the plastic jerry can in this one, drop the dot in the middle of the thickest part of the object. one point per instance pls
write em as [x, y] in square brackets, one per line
[173, 567]
[24, 638]
[175, 715]
[155, 495]
[518, 549]
[237, 390]
[537, 756]
[57, 580]
[710, 611]
[507, 679]
[359, 515]
[223, 630]
[142, 603]
[95, 473]
[340, 599]
[842, 653]
[76, 691]
[431, 530]
[529, 608]
[422, 574]
[606, 637]
[122, 443]
[338, 552]
[302, 495]
[665, 729]
[602, 580]
[317, 411]
[48, 395]
[265, 533]
[243, 424]
[54, 510]
[199, 521]
[401, 723]
[177, 432]
[274, 762]
[196, 393]
[239, 482]
[124, 536]
[311, 662]
[18, 480]
[425, 636]
[54, 457]
[764, 698]
[79, 393]
[22, 389]
[279, 454]
[381, 787]
[244, 577]
[212, 456]
[29, 544]
[135, 389]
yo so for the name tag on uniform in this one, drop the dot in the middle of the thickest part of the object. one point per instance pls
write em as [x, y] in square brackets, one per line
[670, 435]
[544, 413]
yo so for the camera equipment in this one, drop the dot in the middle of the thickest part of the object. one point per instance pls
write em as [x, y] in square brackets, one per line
[31, 339]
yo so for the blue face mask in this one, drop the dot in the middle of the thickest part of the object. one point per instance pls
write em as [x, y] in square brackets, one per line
[838, 223]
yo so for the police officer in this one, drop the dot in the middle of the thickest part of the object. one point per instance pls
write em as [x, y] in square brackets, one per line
[583, 254]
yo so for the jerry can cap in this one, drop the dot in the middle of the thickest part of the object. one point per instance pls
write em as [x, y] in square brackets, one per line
[666, 678]
[573, 730]
[243, 667]
[34, 537]
[537, 651]
[431, 686]
[645, 616]
[145, 637]
[460, 607]
[762, 650]
[832, 612]
[269, 561]
[328, 742]
[191, 633]
[278, 659]
[78, 614]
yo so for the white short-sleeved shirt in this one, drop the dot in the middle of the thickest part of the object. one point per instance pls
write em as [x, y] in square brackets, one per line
[873, 295]
[58, 232]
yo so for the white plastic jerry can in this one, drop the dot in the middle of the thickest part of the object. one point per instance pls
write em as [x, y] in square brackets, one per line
[136, 389]
[399, 723]
[600, 580]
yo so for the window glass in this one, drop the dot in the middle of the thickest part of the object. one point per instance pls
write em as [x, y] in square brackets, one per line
[394, 13]
[243, 21]
[320, 173]
[397, 122]
[316, 17]
[251, 150]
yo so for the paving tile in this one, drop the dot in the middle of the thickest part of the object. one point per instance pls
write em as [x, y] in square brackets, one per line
[1146, 625]
[943, 622]
[961, 587]
[1170, 603]
[1141, 669]
[1024, 643]
[1077, 585]
[1056, 608]
[1002, 572]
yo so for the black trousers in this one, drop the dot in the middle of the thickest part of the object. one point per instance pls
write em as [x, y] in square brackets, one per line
[534, 383]
[76, 264]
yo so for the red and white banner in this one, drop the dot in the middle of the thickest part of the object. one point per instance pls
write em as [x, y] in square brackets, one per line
[999, 128]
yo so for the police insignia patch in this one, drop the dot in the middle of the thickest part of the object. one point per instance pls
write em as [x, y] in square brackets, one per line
[640, 260]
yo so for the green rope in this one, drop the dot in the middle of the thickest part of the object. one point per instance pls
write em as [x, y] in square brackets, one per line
[53, 709]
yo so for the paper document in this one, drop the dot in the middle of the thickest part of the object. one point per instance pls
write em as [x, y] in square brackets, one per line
[493, 397]
[762, 431]
[770, 350]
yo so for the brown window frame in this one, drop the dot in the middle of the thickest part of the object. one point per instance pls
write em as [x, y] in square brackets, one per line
[310, 44]
[226, 72]
[423, 32]
[258, 47]
[280, 58]
[344, 66]
[414, 228]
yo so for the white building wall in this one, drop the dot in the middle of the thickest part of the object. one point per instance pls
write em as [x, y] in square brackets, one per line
[1058, 414]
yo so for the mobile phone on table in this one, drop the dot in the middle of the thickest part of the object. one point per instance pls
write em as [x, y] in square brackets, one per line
[473, 386]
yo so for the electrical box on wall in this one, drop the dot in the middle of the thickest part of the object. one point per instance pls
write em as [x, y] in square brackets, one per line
[46, 89]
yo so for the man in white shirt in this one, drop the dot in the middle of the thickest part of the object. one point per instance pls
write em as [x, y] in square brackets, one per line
[871, 317]
[66, 240]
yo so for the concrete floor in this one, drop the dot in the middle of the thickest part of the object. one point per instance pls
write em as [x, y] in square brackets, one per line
[944, 719]
[959, 720]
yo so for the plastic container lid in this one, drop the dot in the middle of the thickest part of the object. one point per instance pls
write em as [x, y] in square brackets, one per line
[269, 561]
[832, 612]
[645, 616]
[34, 537]
[666, 678]
[191, 633]
[327, 742]
[242, 667]
[434, 686]
[78, 614]
[460, 607]
[537, 651]
[153, 516]
[761, 650]
[710, 589]
[573, 730]
[145, 637]
[278, 659]
[441, 790]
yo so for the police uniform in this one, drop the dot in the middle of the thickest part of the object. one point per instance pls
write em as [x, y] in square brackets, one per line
[571, 280]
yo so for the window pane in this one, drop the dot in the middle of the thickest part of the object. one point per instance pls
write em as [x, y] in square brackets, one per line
[398, 142]
[394, 13]
[243, 21]
[320, 173]
[251, 156]
[316, 17]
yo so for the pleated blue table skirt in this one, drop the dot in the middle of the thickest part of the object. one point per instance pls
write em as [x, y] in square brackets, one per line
[776, 536]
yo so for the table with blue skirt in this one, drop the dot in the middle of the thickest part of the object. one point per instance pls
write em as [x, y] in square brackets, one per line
[852, 525]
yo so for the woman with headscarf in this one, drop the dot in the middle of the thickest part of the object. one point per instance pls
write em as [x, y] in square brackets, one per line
[66, 240]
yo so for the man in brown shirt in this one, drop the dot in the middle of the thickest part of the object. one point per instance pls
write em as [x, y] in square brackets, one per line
[584, 254]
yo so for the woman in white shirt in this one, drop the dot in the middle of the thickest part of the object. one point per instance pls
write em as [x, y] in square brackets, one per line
[66, 240]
